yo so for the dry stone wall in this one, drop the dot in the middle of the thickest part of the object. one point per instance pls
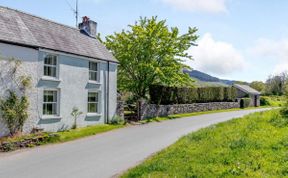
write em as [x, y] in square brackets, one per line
[152, 110]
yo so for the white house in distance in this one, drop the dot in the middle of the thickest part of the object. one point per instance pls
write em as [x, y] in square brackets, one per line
[69, 68]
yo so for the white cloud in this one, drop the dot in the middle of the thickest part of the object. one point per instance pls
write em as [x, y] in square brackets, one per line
[213, 6]
[276, 50]
[216, 57]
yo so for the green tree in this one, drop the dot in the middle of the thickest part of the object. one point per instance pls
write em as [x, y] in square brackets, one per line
[258, 85]
[151, 53]
[275, 85]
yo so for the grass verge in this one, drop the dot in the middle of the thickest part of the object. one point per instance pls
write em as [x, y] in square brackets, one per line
[84, 132]
[252, 146]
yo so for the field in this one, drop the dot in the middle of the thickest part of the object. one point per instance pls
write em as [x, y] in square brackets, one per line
[253, 146]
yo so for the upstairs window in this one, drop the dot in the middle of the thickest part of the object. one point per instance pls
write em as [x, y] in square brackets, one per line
[50, 102]
[93, 102]
[50, 66]
[93, 71]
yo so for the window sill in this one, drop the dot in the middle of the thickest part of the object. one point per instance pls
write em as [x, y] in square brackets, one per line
[45, 78]
[94, 82]
[46, 117]
[93, 114]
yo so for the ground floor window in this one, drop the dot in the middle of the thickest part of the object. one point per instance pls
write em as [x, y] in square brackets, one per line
[93, 102]
[50, 102]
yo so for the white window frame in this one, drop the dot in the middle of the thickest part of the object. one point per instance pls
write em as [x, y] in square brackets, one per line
[98, 103]
[97, 72]
[56, 66]
[57, 102]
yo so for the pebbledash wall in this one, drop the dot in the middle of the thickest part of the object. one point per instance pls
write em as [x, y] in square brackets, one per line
[73, 86]
[152, 110]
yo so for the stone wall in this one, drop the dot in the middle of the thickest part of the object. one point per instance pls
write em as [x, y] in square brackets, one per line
[152, 110]
[120, 109]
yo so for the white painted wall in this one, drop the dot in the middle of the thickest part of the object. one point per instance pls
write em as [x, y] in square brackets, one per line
[29, 58]
[73, 86]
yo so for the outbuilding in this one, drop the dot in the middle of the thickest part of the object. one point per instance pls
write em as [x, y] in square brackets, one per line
[245, 91]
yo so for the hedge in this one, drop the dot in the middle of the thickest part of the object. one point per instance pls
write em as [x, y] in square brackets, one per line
[245, 102]
[175, 95]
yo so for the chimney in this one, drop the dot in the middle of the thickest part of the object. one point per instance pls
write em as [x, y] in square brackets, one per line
[88, 27]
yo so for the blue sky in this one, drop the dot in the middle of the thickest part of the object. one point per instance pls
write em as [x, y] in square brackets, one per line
[239, 39]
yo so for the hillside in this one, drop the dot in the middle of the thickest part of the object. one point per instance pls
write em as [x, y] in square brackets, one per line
[203, 79]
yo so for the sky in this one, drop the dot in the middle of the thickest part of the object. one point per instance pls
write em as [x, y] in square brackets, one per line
[239, 39]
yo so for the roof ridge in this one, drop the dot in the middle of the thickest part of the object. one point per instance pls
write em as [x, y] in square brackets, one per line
[57, 23]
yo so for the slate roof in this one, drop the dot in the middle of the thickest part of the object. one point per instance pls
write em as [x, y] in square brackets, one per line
[25, 29]
[247, 89]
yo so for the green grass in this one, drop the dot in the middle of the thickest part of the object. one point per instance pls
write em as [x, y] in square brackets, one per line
[177, 116]
[275, 101]
[84, 132]
[253, 146]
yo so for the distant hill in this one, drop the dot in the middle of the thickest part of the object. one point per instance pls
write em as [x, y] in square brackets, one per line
[208, 80]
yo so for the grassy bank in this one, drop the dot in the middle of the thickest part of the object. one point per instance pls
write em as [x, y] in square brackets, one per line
[253, 146]
[84, 132]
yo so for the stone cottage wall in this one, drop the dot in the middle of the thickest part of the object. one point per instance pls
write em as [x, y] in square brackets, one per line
[146, 110]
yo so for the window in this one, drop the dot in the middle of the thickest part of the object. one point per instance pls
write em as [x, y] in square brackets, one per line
[93, 71]
[93, 102]
[50, 102]
[50, 65]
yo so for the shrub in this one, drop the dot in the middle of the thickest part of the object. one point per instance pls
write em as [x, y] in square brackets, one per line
[245, 102]
[117, 120]
[75, 114]
[264, 101]
[14, 112]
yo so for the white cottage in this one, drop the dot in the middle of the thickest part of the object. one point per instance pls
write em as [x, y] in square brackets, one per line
[69, 68]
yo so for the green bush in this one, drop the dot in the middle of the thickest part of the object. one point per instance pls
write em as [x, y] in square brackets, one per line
[173, 95]
[272, 100]
[117, 120]
[245, 102]
[14, 112]
[264, 101]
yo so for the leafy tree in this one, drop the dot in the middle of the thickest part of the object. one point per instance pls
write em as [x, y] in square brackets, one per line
[275, 85]
[151, 53]
[258, 85]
